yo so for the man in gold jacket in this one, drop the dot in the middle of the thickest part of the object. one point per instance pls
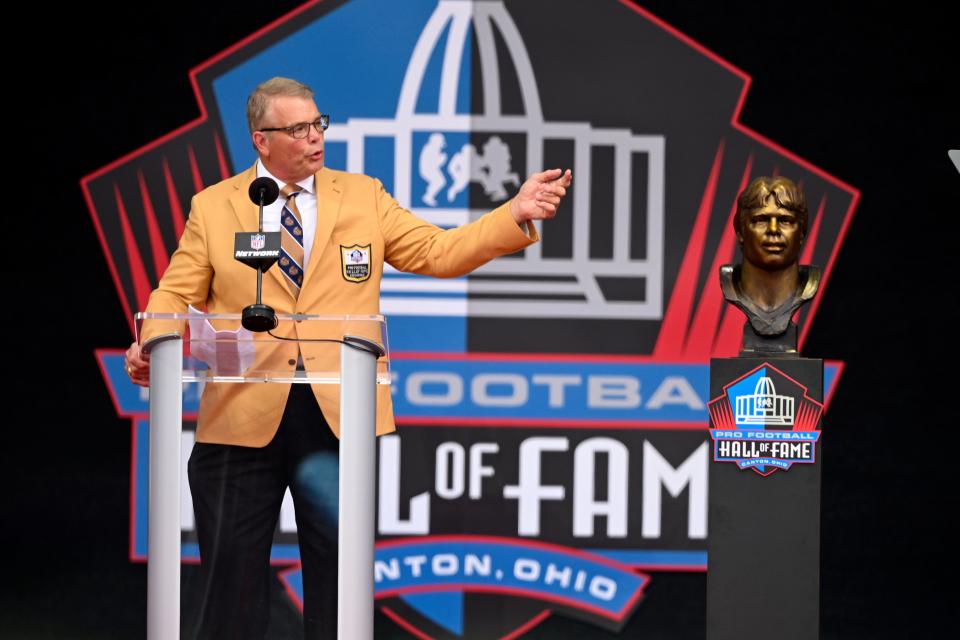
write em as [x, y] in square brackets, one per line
[255, 440]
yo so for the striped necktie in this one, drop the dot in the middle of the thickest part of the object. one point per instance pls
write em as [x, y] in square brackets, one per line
[291, 240]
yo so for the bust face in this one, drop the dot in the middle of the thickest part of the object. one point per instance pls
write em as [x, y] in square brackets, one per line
[770, 237]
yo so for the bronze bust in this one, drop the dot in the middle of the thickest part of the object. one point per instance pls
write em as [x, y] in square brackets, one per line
[770, 285]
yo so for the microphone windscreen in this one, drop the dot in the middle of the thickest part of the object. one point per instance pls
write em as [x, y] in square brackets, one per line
[269, 188]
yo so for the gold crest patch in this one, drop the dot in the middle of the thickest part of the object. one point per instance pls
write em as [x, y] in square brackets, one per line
[355, 262]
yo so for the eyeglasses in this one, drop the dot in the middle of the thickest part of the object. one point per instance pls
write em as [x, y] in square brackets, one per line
[301, 130]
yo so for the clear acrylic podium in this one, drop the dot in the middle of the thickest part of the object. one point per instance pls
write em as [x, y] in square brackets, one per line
[349, 351]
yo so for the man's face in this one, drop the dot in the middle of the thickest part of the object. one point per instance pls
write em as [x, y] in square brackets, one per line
[770, 237]
[287, 158]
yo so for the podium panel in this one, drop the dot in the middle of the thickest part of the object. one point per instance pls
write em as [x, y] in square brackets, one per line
[763, 575]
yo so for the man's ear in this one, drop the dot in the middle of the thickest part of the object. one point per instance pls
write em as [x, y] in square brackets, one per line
[260, 143]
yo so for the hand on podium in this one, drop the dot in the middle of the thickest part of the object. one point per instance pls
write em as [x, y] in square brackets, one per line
[138, 366]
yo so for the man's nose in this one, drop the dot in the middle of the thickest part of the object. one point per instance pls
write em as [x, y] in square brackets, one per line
[772, 226]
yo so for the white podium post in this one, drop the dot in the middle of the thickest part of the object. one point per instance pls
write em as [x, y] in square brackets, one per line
[358, 418]
[163, 559]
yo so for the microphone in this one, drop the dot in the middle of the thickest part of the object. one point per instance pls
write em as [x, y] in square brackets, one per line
[264, 192]
[259, 250]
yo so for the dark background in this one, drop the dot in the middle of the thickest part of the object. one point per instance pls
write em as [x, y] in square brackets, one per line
[864, 94]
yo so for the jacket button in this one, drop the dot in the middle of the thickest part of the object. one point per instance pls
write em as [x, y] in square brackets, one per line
[291, 361]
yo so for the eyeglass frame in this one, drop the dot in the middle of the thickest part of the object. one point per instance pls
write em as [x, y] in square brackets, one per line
[320, 124]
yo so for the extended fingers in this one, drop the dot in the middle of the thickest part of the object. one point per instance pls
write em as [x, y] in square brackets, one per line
[549, 197]
[546, 176]
[558, 186]
[543, 210]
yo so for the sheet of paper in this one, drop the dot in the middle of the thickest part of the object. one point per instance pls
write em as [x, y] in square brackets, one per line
[226, 352]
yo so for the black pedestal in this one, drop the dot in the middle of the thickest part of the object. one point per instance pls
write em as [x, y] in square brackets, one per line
[763, 577]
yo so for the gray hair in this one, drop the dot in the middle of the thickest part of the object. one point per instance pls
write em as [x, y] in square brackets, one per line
[259, 100]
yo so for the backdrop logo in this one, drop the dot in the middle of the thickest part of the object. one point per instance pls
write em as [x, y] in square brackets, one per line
[759, 428]
[554, 403]
[477, 175]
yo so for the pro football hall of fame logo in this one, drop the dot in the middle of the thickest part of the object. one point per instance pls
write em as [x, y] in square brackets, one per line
[552, 453]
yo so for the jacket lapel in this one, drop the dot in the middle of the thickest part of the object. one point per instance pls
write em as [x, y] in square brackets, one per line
[328, 209]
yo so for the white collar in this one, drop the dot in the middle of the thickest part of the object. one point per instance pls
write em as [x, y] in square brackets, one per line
[308, 184]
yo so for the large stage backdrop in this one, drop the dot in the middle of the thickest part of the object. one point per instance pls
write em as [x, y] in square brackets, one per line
[551, 453]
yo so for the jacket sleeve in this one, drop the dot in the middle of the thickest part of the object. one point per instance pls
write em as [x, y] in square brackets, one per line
[414, 245]
[186, 280]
